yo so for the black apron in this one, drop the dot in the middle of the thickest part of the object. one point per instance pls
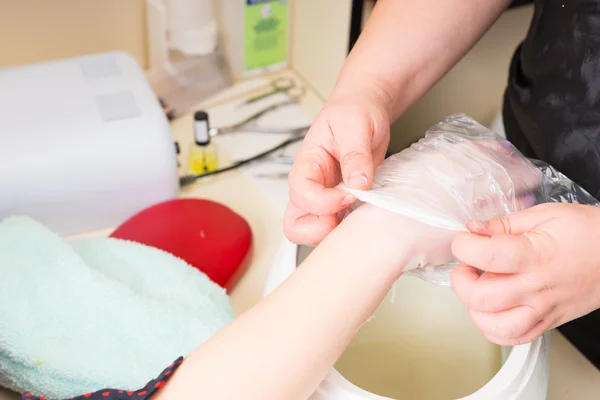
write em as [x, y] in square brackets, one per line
[552, 110]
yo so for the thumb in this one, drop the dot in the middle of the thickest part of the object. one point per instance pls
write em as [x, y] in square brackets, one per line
[513, 224]
[356, 160]
[499, 245]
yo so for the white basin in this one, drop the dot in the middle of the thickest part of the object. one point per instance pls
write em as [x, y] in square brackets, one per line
[421, 344]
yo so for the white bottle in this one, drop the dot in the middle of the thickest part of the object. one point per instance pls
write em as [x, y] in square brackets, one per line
[192, 26]
[255, 35]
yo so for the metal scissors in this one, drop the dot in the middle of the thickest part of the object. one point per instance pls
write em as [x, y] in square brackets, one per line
[280, 85]
[273, 175]
[286, 85]
[246, 126]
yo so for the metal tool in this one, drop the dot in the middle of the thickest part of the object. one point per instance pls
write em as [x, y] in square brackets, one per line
[273, 175]
[246, 125]
[281, 159]
[279, 85]
[292, 90]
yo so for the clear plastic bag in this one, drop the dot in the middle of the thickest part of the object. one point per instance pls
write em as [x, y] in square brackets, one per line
[462, 171]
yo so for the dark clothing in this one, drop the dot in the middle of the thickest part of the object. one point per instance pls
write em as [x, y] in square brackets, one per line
[116, 394]
[552, 110]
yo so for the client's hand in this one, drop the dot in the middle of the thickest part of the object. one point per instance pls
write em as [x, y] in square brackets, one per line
[300, 330]
[428, 191]
[449, 181]
[403, 243]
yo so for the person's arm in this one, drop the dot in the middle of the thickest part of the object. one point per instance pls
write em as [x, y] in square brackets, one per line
[408, 45]
[284, 346]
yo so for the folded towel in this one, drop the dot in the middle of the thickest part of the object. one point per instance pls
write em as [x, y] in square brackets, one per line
[80, 316]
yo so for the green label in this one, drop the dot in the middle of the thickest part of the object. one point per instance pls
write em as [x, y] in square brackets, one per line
[265, 33]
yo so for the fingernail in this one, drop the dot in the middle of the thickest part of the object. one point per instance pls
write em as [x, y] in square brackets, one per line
[348, 199]
[357, 180]
[508, 146]
[529, 200]
[478, 227]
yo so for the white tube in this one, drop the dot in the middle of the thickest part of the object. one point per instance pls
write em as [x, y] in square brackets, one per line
[156, 22]
[192, 26]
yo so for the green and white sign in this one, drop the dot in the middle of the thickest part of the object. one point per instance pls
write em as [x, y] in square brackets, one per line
[265, 34]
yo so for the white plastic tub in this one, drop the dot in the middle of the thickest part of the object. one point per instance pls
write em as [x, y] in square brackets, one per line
[420, 344]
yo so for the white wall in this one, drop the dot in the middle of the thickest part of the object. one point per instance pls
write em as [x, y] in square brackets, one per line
[319, 43]
[39, 30]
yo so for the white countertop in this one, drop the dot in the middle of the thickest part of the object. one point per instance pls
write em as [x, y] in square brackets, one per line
[572, 377]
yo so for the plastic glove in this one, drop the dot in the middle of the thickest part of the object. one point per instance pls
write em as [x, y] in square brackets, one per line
[442, 182]
[448, 180]
[541, 267]
[415, 244]
[349, 136]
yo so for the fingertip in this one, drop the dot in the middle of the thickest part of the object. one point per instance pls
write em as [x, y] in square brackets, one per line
[526, 201]
[495, 340]
[357, 169]
[478, 227]
[465, 272]
[358, 180]
[312, 184]
[347, 200]
[489, 326]
[514, 326]
[317, 199]
[460, 242]
[462, 279]
[307, 229]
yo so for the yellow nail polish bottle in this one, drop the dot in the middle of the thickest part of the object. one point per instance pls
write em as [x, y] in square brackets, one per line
[203, 155]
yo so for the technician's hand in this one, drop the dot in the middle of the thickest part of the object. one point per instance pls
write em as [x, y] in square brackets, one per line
[541, 269]
[347, 139]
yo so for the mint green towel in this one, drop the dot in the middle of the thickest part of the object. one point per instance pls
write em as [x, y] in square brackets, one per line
[80, 316]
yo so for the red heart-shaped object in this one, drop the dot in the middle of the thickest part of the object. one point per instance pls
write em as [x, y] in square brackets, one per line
[205, 234]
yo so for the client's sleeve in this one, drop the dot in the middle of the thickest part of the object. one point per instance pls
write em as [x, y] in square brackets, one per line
[116, 394]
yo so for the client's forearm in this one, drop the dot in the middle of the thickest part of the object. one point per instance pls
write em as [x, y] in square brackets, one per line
[284, 346]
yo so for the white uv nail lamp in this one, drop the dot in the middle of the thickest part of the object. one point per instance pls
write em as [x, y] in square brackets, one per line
[84, 143]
